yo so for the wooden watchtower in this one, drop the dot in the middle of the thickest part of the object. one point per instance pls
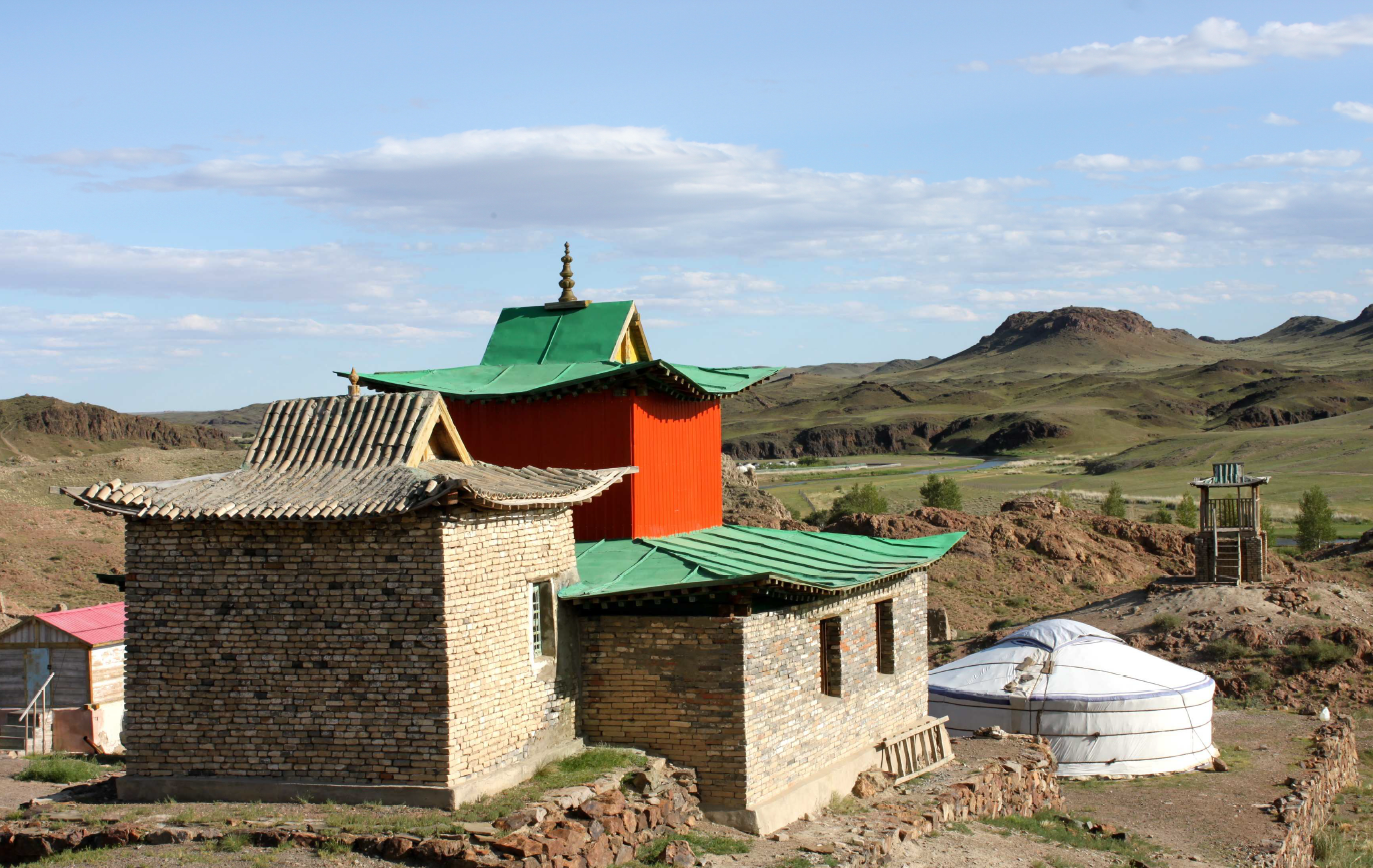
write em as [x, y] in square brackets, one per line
[1230, 544]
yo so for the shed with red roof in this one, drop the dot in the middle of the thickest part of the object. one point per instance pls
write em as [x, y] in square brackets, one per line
[75, 659]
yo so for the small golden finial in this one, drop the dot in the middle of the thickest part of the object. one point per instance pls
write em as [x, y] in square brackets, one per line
[567, 300]
[353, 389]
[567, 282]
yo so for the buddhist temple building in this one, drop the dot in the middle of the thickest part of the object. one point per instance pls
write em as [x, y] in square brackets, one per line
[574, 384]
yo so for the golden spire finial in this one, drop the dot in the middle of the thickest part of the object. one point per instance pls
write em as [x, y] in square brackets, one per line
[567, 282]
[567, 300]
[353, 390]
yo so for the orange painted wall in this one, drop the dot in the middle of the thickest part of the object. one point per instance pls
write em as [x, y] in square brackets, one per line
[677, 451]
[675, 444]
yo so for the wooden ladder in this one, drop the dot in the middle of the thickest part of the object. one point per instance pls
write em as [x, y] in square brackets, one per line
[917, 751]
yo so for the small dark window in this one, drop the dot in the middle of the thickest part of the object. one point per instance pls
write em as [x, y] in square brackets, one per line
[831, 666]
[886, 639]
[541, 606]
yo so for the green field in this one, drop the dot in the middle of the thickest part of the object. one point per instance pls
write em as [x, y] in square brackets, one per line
[1336, 454]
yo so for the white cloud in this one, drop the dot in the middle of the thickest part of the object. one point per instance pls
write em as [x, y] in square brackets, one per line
[943, 313]
[1325, 298]
[122, 158]
[1105, 163]
[973, 66]
[1356, 111]
[1302, 159]
[62, 263]
[1213, 45]
[652, 194]
[1278, 120]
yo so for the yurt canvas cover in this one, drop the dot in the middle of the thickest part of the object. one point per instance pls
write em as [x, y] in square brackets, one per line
[1106, 708]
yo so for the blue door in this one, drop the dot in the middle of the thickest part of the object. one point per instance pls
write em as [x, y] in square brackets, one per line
[35, 672]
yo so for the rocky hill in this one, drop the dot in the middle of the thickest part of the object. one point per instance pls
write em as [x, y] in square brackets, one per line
[1070, 380]
[1033, 558]
[34, 426]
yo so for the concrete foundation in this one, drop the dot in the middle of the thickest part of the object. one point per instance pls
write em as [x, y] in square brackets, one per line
[145, 788]
[806, 797]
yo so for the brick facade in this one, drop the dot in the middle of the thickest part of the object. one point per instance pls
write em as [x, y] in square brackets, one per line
[792, 730]
[357, 652]
[739, 698]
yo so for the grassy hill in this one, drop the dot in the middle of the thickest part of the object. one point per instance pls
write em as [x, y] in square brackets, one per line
[1082, 380]
[240, 424]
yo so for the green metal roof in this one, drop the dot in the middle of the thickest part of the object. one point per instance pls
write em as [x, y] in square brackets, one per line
[535, 336]
[493, 381]
[733, 554]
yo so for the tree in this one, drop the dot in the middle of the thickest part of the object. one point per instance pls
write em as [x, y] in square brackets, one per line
[1162, 515]
[1114, 504]
[943, 492]
[860, 498]
[1269, 527]
[1315, 519]
[1187, 511]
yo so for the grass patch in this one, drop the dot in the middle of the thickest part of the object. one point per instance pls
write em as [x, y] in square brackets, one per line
[846, 806]
[1165, 623]
[1318, 654]
[1002, 624]
[1236, 758]
[715, 845]
[231, 843]
[1335, 849]
[570, 772]
[1225, 648]
[1047, 825]
[59, 769]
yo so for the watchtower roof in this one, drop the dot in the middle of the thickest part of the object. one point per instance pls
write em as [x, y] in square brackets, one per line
[1229, 475]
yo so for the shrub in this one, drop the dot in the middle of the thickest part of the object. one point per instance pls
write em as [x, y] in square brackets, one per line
[863, 497]
[1165, 623]
[1065, 500]
[59, 769]
[1001, 624]
[1259, 680]
[1318, 654]
[232, 842]
[1225, 648]
[1187, 511]
[942, 492]
[1114, 504]
[1315, 519]
[1160, 516]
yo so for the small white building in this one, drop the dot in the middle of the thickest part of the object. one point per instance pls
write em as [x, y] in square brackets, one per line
[79, 655]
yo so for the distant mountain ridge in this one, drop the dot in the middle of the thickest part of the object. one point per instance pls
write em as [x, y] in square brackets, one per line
[36, 426]
[1072, 378]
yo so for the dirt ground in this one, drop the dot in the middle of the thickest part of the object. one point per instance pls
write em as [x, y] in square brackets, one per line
[171, 856]
[1210, 815]
[13, 793]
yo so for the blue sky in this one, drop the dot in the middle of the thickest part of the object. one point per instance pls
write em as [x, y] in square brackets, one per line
[208, 206]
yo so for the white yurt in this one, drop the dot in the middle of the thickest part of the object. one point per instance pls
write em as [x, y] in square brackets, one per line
[1107, 709]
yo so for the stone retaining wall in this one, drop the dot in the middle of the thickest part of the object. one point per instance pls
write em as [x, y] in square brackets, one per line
[1021, 784]
[592, 826]
[1332, 766]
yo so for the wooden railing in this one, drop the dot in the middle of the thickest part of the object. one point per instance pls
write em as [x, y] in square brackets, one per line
[36, 719]
[1230, 512]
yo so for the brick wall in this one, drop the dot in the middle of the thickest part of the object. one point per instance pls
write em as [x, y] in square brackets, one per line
[501, 699]
[739, 698]
[344, 652]
[792, 730]
[672, 686]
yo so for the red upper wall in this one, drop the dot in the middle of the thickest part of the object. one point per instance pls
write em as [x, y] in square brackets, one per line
[674, 443]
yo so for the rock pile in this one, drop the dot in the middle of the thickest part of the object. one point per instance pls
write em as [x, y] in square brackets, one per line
[592, 826]
[745, 503]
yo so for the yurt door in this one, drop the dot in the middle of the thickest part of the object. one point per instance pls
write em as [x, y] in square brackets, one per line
[36, 671]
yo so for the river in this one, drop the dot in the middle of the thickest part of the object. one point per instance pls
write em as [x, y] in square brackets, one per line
[987, 464]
